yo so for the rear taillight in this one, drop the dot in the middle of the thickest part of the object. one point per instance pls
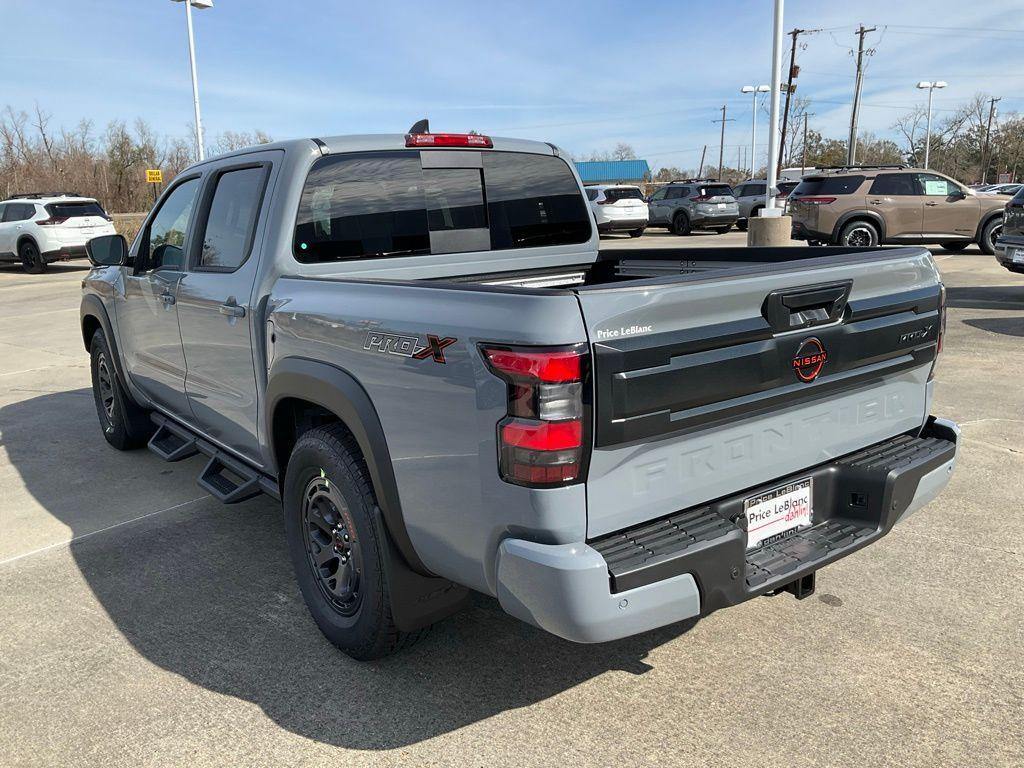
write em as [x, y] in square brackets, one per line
[447, 140]
[541, 440]
[701, 198]
[942, 329]
[814, 200]
[51, 221]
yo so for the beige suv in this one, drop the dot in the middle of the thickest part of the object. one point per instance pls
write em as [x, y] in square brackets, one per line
[872, 205]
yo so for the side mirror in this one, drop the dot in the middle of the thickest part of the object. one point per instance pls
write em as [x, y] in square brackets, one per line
[958, 194]
[107, 251]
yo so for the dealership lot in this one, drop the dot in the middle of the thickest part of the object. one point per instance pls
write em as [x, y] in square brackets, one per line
[143, 623]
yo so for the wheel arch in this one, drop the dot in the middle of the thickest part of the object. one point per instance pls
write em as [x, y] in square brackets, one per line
[302, 394]
[999, 213]
[860, 215]
[93, 316]
[26, 238]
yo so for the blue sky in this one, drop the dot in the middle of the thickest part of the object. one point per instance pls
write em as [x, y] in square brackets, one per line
[584, 75]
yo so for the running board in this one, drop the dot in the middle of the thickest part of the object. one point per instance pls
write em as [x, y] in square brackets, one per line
[224, 477]
[172, 443]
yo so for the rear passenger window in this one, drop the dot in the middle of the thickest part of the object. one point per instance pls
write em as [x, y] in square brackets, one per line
[380, 204]
[893, 184]
[232, 219]
[592, 194]
[828, 185]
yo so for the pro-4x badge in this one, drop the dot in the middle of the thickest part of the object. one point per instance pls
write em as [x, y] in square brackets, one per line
[809, 359]
[408, 346]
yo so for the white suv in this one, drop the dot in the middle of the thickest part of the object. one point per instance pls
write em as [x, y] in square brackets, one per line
[39, 228]
[618, 208]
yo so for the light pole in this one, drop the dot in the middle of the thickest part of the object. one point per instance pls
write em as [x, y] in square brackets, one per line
[200, 4]
[753, 122]
[928, 130]
[773, 122]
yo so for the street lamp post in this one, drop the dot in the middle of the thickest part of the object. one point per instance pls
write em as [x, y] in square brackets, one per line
[753, 123]
[773, 126]
[200, 4]
[928, 130]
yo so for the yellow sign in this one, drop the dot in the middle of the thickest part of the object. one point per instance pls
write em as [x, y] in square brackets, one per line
[154, 177]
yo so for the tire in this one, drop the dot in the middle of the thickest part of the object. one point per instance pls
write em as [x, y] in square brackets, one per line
[859, 234]
[31, 259]
[330, 508]
[637, 232]
[125, 424]
[681, 224]
[755, 212]
[989, 234]
[741, 225]
[956, 247]
[721, 230]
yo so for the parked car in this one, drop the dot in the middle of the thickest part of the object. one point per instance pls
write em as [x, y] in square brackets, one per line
[1001, 189]
[750, 197]
[867, 205]
[686, 205]
[1010, 246]
[415, 344]
[37, 229]
[618, 208]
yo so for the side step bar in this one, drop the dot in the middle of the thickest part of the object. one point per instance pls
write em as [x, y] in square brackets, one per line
[224, 477]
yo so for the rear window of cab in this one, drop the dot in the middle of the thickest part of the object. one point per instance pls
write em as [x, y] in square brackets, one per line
[386, 204]
[827, 185]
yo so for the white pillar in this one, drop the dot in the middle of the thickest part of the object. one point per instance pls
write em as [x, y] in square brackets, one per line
[773, 127]
[195, 78]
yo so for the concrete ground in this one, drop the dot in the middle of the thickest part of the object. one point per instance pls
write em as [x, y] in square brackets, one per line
[142, 623]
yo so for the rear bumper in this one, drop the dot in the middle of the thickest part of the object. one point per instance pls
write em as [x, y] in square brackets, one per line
[700, 220]
[621, 225]
[802, 232]
[695, 562]
[65, 252]
[1002, 251]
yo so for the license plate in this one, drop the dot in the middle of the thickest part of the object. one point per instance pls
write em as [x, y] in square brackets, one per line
[778, 513]
[1017, 255]
[721, 206]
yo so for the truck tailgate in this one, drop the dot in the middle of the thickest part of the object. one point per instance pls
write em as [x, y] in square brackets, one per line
[712, 383]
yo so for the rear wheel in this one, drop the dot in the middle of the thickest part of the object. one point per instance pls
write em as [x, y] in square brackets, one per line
[125, 424]
[989, 234]
[741, 225]
[859, 234]
[637, 232]
[956, 247]
[31, 259]
[335, 548]
[681, 224]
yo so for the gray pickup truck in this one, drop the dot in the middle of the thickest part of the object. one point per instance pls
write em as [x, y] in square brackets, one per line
[414, 342]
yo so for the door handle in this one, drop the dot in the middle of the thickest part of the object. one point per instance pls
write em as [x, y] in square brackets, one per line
[931, 204]
[875, 202]
[167, 298]
[231, 309]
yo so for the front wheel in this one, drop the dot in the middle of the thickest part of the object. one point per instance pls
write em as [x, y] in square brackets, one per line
[859, 234]
[31, 259]
[637, 232]
[721, 230]
[125, 424]
[741, 225]
[989, 234]
[337, 554]
[956, 247]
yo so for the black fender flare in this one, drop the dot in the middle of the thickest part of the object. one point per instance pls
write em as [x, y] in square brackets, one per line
[92, 307]
[340, 393]
[873, 216]
[22, 239]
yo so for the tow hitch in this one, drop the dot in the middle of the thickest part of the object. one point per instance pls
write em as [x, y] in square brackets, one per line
[802, 587]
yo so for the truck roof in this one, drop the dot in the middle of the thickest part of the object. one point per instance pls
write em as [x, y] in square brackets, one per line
[369, 142]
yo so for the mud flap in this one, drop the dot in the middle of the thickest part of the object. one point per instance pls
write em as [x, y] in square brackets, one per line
[416, 601]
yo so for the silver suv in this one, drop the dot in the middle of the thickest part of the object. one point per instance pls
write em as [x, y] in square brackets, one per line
[690, 204]
[750, 196]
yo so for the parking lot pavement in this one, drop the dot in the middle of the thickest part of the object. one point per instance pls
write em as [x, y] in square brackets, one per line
[142, 623]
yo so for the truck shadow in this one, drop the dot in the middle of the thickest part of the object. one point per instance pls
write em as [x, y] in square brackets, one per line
[986, 297]
[206, 591]
[1007, 326]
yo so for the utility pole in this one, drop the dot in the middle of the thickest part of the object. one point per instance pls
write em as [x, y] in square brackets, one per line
[702, 154]
[721, 141]
[851, 147]
[793, 71]
[988, 133]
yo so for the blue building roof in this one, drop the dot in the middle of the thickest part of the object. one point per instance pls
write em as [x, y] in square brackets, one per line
[613, 170]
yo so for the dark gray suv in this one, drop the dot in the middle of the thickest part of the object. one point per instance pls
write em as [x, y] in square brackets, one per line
[690, 204]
